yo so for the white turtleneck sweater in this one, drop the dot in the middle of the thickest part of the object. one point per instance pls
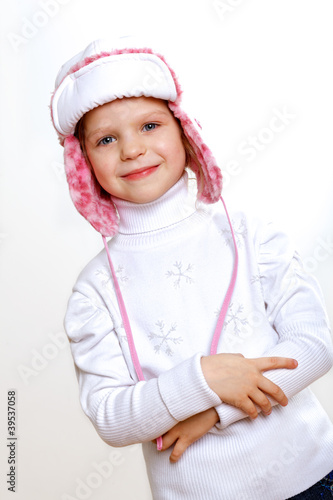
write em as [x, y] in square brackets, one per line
[173, 260]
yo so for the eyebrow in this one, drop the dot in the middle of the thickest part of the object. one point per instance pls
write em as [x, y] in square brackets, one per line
[150, 113]
[96, 131]
[143, 117]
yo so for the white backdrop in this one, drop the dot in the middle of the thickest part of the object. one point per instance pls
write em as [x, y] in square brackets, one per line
[242, 63]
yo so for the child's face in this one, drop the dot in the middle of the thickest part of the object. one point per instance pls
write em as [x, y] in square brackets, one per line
[134, 146]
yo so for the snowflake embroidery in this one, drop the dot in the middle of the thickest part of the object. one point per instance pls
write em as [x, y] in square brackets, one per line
[256, 279]
[293, 275]
[180, 274]
[164, 339]
[120, 274]
[239, 232]
[105, 275]
[235, 319]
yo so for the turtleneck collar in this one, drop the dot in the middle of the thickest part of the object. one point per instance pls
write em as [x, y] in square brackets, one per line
[175, 205]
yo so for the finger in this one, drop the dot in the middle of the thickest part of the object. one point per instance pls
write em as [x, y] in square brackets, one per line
[179, 448]
[273, 390]
[169, 438]
[248, 407]
[274, 362]
[262, 401]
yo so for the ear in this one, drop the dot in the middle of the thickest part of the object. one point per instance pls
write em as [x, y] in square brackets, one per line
[87, 195]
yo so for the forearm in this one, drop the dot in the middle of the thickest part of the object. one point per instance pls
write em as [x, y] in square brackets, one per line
[312, 348]
[185, 433]
[145, 410]
[123, 410]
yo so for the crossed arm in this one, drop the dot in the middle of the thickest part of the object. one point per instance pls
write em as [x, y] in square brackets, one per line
[238, 381]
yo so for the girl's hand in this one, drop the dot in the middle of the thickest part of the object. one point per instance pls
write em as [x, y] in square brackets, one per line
[239, 381]
[187, 432]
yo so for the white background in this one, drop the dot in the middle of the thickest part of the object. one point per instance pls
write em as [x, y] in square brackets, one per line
[238, 61]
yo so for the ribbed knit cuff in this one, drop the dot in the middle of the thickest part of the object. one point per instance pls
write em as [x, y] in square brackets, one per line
[185, 391]
[228, 415]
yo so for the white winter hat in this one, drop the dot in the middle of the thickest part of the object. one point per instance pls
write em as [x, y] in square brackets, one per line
[104, 72]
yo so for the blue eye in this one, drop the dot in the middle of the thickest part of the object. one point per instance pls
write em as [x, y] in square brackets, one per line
[107, 140]
[150, 126]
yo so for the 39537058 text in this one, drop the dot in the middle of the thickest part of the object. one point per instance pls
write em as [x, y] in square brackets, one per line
[11, 440]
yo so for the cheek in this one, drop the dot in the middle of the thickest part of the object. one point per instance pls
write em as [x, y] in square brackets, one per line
[101, 163]
[174, 150]
[180, 154]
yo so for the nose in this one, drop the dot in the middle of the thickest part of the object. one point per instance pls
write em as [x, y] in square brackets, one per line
[132, 146]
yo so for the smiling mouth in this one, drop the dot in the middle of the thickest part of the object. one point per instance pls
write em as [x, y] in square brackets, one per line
[140, 173]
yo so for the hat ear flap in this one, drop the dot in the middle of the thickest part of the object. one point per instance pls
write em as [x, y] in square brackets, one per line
[87, 195]
[211, 184]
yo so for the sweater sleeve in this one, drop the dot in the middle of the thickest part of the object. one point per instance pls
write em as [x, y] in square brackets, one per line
[295, 308]
[123, 410]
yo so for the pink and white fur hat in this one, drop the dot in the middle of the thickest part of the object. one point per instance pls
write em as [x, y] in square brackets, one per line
[104, 72]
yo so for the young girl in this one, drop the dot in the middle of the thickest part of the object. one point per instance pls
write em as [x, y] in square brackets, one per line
[189, 331]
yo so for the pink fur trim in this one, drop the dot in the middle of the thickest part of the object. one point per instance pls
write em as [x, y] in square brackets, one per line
[212, 186]
[85, 191]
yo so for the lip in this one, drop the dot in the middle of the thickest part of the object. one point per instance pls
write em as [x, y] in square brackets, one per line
[140, 173]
